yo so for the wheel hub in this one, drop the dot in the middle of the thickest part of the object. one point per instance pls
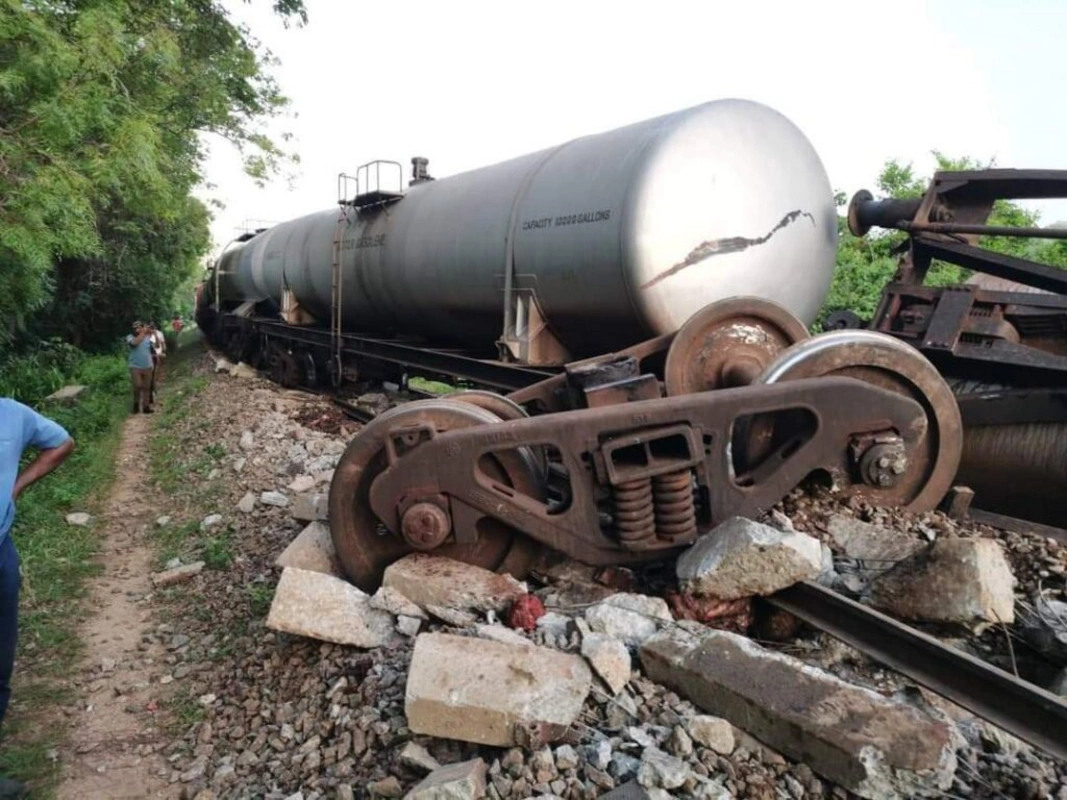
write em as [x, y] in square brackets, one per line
[365, 545]
[727, 344]
[425, 525]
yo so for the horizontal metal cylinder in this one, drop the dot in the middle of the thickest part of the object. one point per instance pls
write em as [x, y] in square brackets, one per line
[617, 236]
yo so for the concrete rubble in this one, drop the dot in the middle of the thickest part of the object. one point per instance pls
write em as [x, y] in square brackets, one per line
[741, 558]
[629, 617]
[462, 781]
[874, 747]
[609, 658]
[876, 544]
[68, 395]
[312, 550]
[178, 574]
[434, 581]
[965, 581]
[1045, 628]
[475, 690]
[313, 507]
[324, 607]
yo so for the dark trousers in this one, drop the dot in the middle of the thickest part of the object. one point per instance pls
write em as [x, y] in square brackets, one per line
[9, 617]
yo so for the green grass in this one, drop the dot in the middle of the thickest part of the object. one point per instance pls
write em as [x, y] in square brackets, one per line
[433, 387]
[57, 559]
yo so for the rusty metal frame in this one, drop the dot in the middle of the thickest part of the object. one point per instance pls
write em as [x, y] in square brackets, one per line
[447, 463]
[963, 329]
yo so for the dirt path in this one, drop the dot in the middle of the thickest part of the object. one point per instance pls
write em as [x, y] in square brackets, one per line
[115, 738]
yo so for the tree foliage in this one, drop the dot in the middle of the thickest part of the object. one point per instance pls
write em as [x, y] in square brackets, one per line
[865, 265]
[106, 108]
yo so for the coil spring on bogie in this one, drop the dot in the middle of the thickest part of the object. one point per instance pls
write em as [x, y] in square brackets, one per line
[675, 509]
[634, 512]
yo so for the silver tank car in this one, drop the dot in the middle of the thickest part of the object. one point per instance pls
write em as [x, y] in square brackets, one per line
[598, 243]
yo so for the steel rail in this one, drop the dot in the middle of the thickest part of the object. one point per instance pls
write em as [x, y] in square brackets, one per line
[1027, 711]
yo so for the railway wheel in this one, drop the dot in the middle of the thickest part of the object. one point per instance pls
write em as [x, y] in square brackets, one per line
[909, 471]
[365, 546]
[728, 344]
[491, 401]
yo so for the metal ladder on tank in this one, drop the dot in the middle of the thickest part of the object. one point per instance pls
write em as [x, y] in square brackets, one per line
[337, 282]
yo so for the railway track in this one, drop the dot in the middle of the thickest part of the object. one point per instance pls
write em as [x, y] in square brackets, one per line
[1027, 711]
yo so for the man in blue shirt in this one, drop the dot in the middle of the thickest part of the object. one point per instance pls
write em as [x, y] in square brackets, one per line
[140, 363]
[20, 427]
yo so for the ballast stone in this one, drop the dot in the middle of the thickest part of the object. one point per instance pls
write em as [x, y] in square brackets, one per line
[953, 580]
[327, 608]
[429, 580]
[867, 743]
[312, 550]
[742, 558]
[492, 693]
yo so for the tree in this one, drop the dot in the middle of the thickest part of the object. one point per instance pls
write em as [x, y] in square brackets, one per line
[103, 110]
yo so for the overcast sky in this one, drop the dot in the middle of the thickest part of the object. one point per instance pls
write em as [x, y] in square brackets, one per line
[467, 84]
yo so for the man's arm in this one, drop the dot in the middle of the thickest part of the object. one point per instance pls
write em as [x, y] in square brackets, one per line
[46, 461]
[50, 438]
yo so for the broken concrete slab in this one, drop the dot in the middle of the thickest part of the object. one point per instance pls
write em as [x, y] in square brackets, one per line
[416, 756]
[871, 745]
[715, 733]
[1045, 628]
[462, 781]
[502, 633]
[409, 626]
[741, 558]
[313, 550]
[177, 574]
[68, 395]
[301, 483]
[429, 580]
[389, 599]
[475, 690]
[660, 770]
[609, 658]
[323, 607]
[274, 499]
[964, 581]
[311, 507]
[631, 618]
[880, 548]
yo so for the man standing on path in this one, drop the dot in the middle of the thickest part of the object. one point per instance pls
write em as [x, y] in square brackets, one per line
[159, 351]
[140, 363]
[20, 427]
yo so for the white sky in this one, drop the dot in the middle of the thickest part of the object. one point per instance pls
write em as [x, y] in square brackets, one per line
[469, 83]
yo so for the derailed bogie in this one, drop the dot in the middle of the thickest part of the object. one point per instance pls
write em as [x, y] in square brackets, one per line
[634, 479]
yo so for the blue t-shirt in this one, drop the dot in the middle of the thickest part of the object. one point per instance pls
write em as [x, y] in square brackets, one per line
[20, 427]
[140, 354]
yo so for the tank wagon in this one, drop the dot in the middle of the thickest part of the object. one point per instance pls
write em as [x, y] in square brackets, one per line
[641, 296]
[562, 254]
